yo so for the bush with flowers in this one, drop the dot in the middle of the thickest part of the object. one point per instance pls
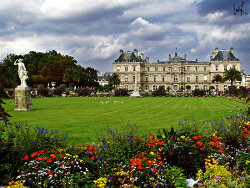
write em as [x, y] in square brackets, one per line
[213, 152]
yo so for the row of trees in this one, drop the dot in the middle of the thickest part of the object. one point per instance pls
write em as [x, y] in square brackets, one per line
[44, 68]
[232, 74]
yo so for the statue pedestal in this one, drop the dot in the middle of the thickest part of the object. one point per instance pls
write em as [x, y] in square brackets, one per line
[23, 99]
[135, 94]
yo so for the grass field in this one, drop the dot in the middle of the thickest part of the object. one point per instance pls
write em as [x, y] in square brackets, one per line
[80, 117]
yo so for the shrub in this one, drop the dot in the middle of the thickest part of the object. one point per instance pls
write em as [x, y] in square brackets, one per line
[83, 91]
[198, 92]
[121, 92]
[58, 91]
[3, 94]
[64, 86]
[40, 86]
[43, 92]
[159, 92]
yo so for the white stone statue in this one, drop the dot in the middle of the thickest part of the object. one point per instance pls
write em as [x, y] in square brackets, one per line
[22, 73]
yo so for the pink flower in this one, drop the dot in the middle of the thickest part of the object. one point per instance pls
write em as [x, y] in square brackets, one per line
[217, 177]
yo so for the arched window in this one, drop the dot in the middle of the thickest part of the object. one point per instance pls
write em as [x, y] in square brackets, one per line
[146, 87]
[154, 87]
[126, 87]
[196, 87]
[205, 87]
[175, 87]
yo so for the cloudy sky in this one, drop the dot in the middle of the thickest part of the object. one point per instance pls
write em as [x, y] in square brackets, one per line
[94, 31]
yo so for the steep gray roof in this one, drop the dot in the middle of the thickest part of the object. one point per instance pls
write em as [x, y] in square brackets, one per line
[226, 55]
[129, 57]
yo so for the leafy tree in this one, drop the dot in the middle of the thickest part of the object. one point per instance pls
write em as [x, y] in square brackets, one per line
[168, 88]
[182, 88]
[211, 87]
[70, 76]
[114, 80]
[232, 74]
[217, 78]
[188, 87]
[90, 77]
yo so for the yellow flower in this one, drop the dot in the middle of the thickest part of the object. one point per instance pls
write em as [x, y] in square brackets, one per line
[152, 153]
[182, 137]
[247, 161]
[163, 136]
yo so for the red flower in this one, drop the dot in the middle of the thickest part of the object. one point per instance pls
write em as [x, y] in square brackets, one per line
[211, 143]
[199, 136]
[153, 169]
[245, 136]
[245, 129]
[26, 157]
[195, 137]
[139, 167]
[51, 173]
[49, 160]
[92, 158]
[215, 138]
[105, 162]
[220, 150]
[199, 143]
[202, 149]
[62, 163]
[41, 152]
[144, 158]
[95, 150]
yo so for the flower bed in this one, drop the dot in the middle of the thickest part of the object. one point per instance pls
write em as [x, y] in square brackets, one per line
[216, 157]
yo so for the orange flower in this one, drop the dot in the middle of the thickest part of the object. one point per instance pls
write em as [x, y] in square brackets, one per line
[211, 143]
[39, 158]
[153, 169]
[53, 156]
[195, 137]
[161, 163]
[245, 129]
[92, 158]
[49, 160]
[158, 158]
[215, 138]
[220, 150]
[34, 154]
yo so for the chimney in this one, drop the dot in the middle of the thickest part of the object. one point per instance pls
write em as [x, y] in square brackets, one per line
[169, 57]
[121, 52]
[136, 52]
[216, 50]
[232, 50]
[185, 56]
[142, 55]
[147, 59]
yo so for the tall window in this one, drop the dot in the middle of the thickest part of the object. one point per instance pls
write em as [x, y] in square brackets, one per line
[126, 78]
[134, 69]
[147, 68]
[205, 87]
[126, 69]
[146, 87]
[196, 87]
[133, 78]
[216, 68]
[205, 68]
[188, 79]
[163, 78]
[175, 78]
[188, 68]
[197, 78]
[118, 69]
[196, 68]
[154, 78]
[205, 78]
[146, 78]
[154, 87]
[164, 68]
[126, 87]
[156, 68]
[225, 67]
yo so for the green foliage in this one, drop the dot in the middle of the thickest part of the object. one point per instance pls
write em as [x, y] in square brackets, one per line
[188, 87]
[232, 74]
[114, 80]
[121, 92]
[211, 87]
[159, 92]
[83, 91]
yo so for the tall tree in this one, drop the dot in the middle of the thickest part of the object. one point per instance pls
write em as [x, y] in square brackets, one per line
[90, 77]
[217, 78]
[114, 80]
[232, 74]
[70, 76]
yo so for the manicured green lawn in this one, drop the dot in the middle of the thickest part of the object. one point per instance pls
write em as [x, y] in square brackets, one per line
[80, 117]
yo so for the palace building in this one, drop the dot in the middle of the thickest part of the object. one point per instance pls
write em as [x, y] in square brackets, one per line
[174, 74]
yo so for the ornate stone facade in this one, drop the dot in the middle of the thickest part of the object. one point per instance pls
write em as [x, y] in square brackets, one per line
[176, 73]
